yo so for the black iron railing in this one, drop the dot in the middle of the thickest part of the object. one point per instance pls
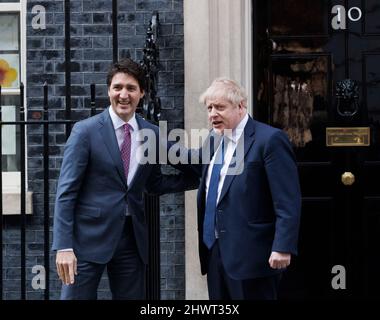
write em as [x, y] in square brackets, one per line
[22, 123]
[151, 111]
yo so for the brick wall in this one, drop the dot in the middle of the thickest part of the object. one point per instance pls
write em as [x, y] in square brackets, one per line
[91, 55]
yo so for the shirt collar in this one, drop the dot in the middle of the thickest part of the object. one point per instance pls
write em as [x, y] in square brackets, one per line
[118, 122]
[238, 131]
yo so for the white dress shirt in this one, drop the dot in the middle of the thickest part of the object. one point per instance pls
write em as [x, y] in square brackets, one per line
[118, 124]
[228, 153]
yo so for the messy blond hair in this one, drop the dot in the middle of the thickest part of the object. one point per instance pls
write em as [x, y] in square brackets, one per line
[226, 89]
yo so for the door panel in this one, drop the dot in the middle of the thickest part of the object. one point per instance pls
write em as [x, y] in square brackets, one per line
[371, 210]
[314, 245]
[301, 61]
[316, 179]
[371, 22]
[284, 19]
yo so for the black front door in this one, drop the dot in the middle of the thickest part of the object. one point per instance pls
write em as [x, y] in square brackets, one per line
[317, 76]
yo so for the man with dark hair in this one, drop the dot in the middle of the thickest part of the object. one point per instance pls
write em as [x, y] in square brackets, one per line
[99, 218]
[130, 67]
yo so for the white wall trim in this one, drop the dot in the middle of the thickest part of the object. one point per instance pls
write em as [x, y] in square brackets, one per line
[23, 43]
[247, 49]
[12, 195]
[217, 43]
[11, 7]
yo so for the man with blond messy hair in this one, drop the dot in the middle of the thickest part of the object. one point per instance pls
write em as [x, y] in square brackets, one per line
[248, 205]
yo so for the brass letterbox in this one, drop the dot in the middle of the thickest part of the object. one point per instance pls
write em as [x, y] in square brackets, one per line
[348, 137]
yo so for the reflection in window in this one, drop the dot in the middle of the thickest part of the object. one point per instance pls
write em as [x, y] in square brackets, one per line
[9, 31]
[298, 87]
[10, 134]
[298, 97]
[293, 109]
[9, 50]
[10, 80]
[9, 70]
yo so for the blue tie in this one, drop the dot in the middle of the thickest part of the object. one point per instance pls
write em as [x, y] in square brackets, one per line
[209, 221]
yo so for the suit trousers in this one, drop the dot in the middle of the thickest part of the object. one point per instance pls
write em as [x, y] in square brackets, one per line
[222, 287]
[126, 273]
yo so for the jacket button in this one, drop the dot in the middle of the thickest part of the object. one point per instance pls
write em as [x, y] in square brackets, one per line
[220, 211]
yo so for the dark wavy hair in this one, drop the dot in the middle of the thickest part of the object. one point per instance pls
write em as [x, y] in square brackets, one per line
[130, 67]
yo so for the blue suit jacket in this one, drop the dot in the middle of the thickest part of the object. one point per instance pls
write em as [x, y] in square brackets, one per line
[92, 192]
[258, 210]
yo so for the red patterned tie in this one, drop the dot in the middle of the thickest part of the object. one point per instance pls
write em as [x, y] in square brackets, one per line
[126, 149]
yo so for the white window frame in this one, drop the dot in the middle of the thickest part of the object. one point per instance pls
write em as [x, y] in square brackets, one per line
[12, 180]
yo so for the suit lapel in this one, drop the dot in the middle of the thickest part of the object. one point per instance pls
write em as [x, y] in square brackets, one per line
[109, 138]
[249, 137]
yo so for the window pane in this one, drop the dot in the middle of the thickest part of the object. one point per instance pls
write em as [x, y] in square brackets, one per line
[9, 70]
[9, 30]
[10, 134]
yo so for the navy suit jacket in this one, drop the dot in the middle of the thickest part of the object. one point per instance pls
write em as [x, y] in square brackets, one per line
[259, 209]
[92, 192]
